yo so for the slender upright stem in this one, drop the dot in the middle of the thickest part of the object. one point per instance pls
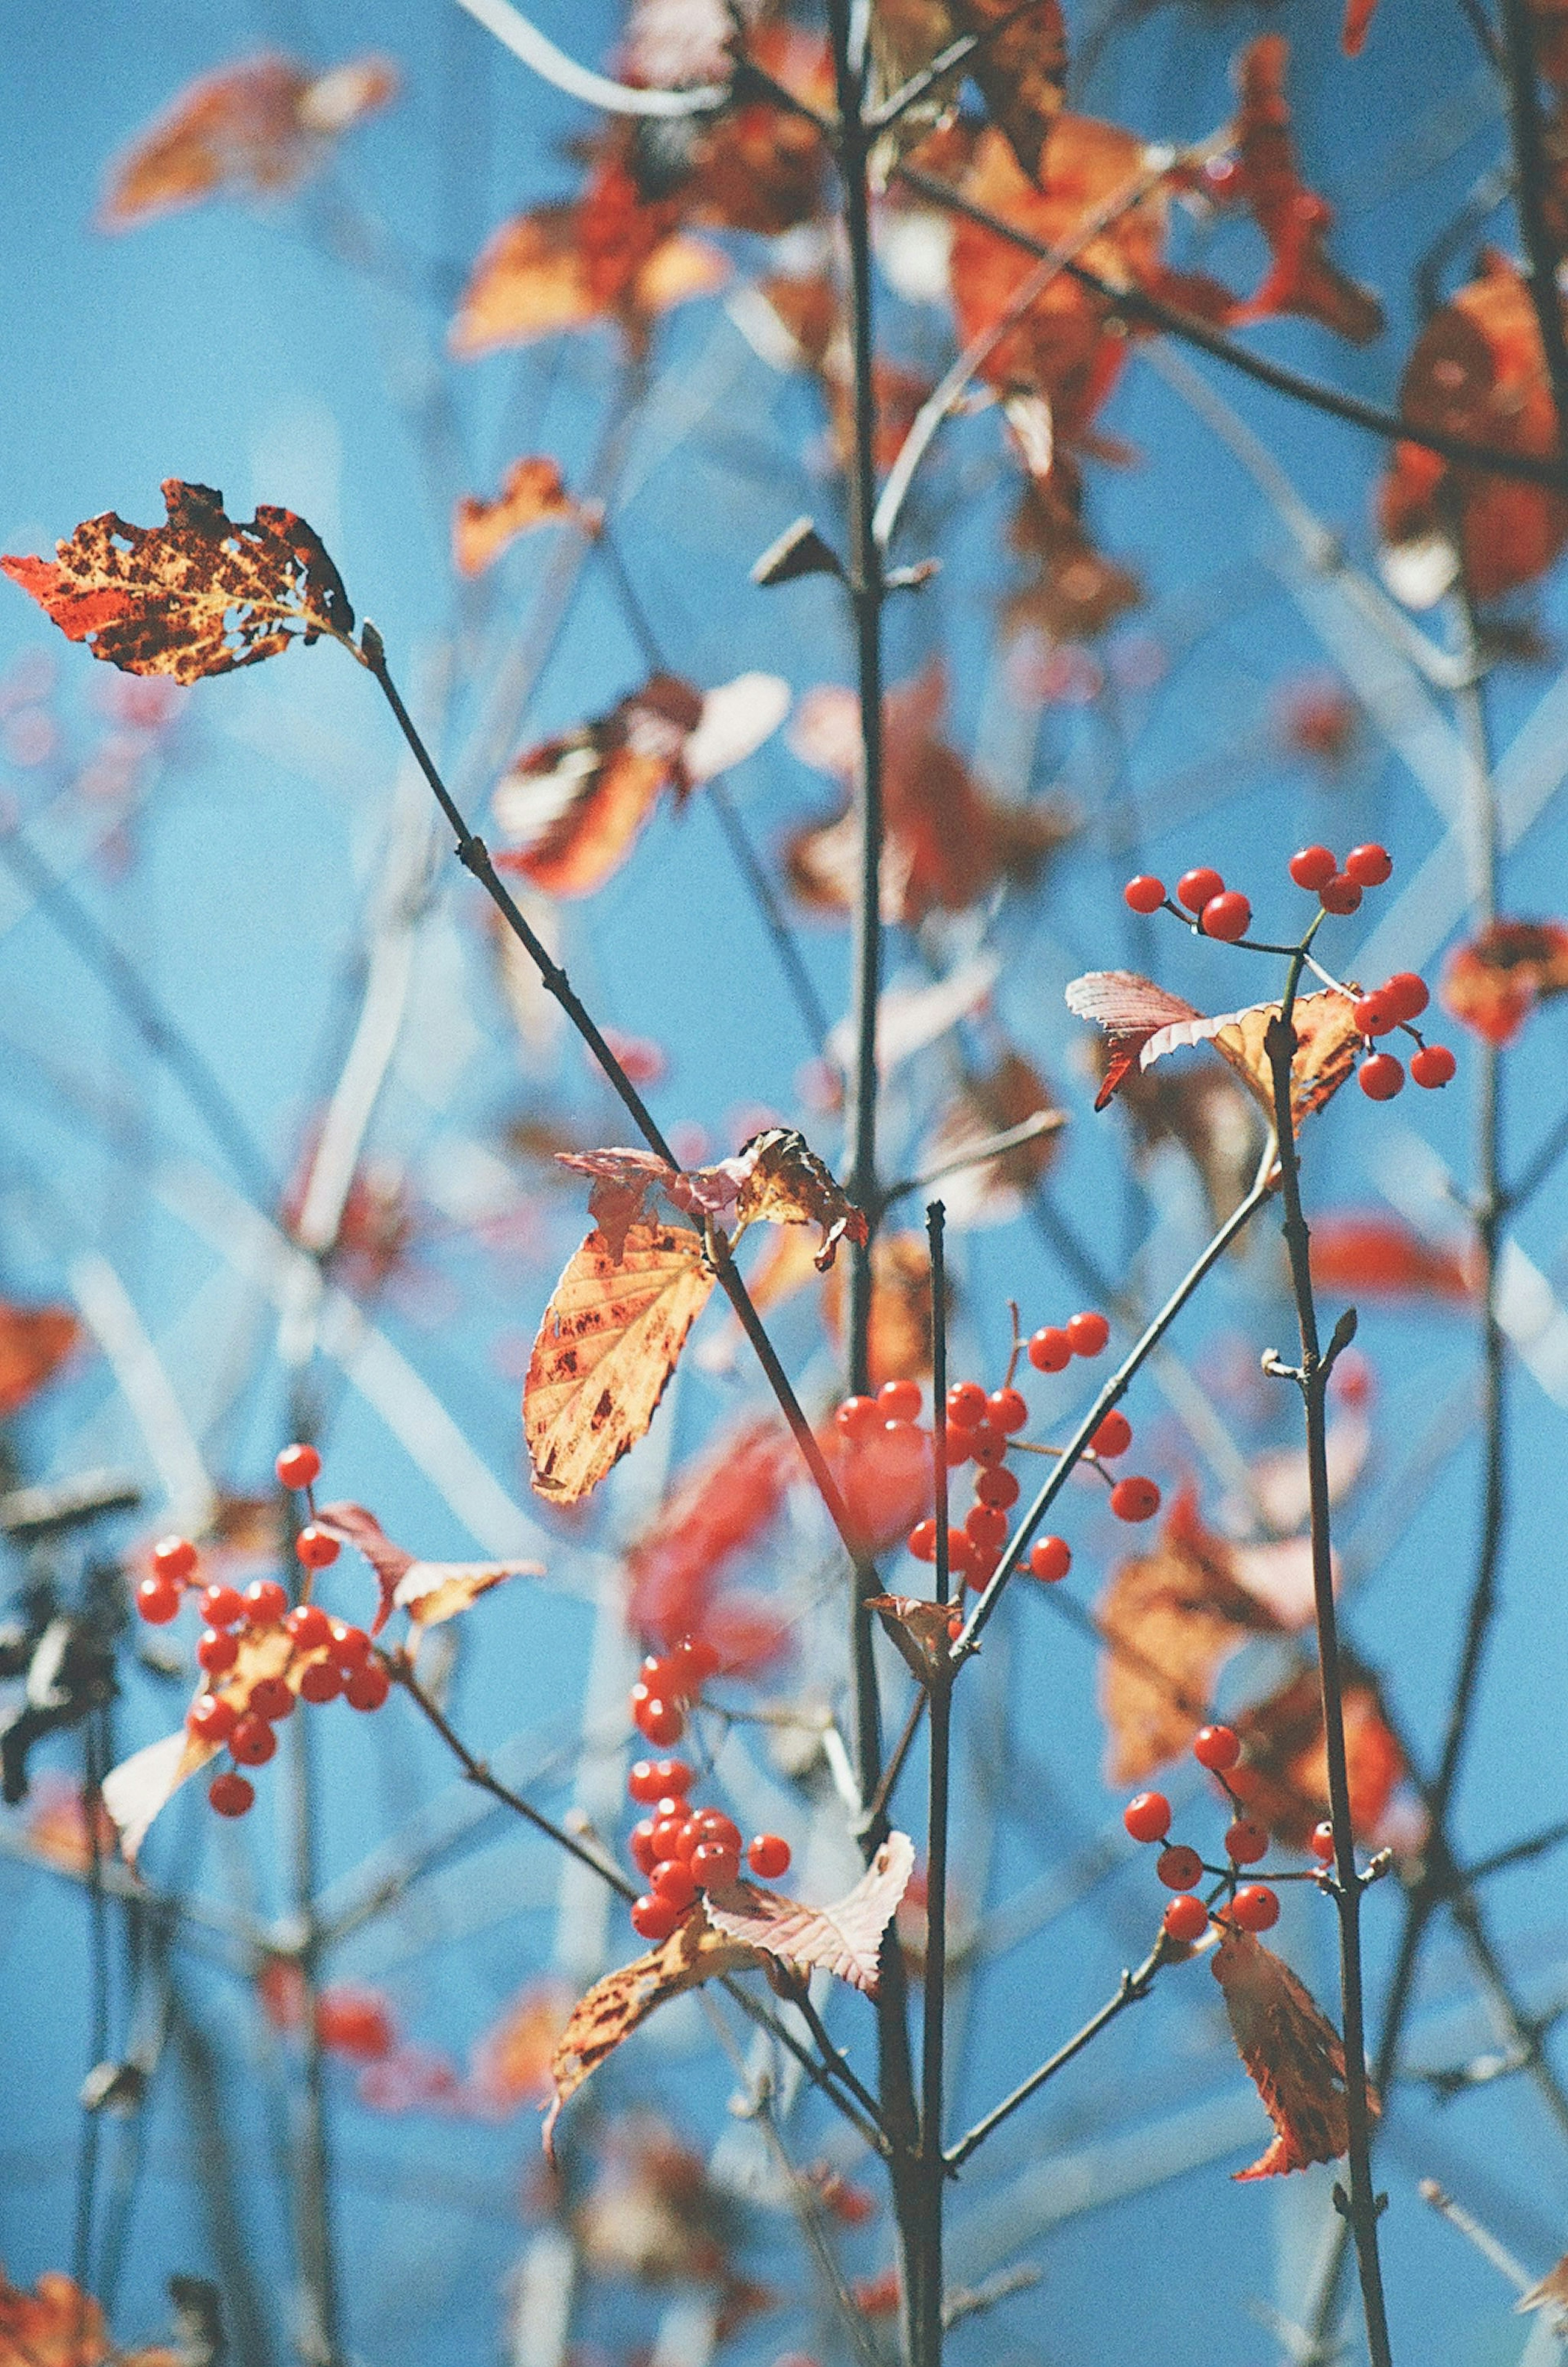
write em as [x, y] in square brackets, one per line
[1532, 178]
[926, 2329]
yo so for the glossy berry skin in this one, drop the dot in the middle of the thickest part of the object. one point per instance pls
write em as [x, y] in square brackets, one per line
[321, 1682]
[1114, 1435]
[1246, 1842]
[1405, 993]
[1197, 888]
[1148, 1816]
[216, 1651]
[1050, 1558]
[1051, 1351]
[265, 1603]
[315, 1548]
[768, 1856]
[922, 1541]
[1369, 866]
[641, 1844]
[1255, 1907]
[298, 1466]
[1372, 1016]
[252, 1742]
[965, 1405]
[158, 1600]
[899, 1400]
[859, 1418]
[713, 1825]
[998, 1487]
[1216, 1748]
[222, 1606]
[674, 1882]
[1186, 1918]
[1005, 1410]
[1339, 895]
[1227, 916]
[1088, 1334]
[1321, 1842]
[271, 1698]
[1134, 1498]
[654, 1779]
[653, 1919]
[212, 1718]
[308, 1625]
[174, 1558]
[984, 1525]
[230, 1794]
[351, 1646]
[661, 1721]
[714, 1867]
[986, 1444]
[1144, 894]
[958, 1444]
[1381, 1077]
[1313, 869]
[667, 1832]
[1179, 1867]
[367, 1688]
[1432, 1066]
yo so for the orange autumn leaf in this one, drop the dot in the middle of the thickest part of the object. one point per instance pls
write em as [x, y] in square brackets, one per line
[1366, 1253]
[807, 309]
[1494, 982]
[1020, 64]
[531, 493]
[609, 1341]
[758, 166]
[510, 2063]
[1293, 218]
[1072, 592]
[1359, 14]
[719, 1504]
[1283, 1779]
[1292, 2052]
[430, 1591]
[34, 1343]
[252, 130]
[844, 1939]
[1551, 2293]
[1007, 1095]
[197, 597]
[58, 2325]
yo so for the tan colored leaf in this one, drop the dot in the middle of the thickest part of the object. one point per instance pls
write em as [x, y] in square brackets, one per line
[606, 1348]
[197, 597]
[429, 1592]
[58, 2325]
[1551, 2293]
[920, 1629]
[1293, 2055]
[785, 1183]
[531, 494]
[34, 1343]
[1143, 1023]
[845, 1938]
[510, 2063]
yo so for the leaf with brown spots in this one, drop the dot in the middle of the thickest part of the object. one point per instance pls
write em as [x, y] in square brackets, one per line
[1143, 1023]
[197, 597]
[1494, 983]
[610, 1339]
[429, 1592]
[1293, 2055]
[531, 493]
[845, 1938]
[1283, 1778]
[34, 1343]
[622, 1182]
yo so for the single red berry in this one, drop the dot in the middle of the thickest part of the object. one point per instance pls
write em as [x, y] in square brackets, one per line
[959, 1443]
[1088, 1334]
[1226, 917]
[922, 1541]
[653, 1919]
[158, 1600]
[1339, 895]
[899, 1400]
[713, 1867]
[663, 1722]
[308, 1625]
[997, 1486]
[1144, 894]
[367, 1688]
[1006, 1409]
[1216, 1748]
[1312, 867]
[1114, 1435]
[1372, 1016]
[1051, 1351]
[1321, 1841]
[230, 1794]
[859, 1418]
[265, 1603]
[674, 1882]
[1148, 1816]
[1050, 1558]
[271, 1698]
[692, 1662]
[216, 1651]
[674, 1777]
[965, 1405]
[298, 1466]
[174, 1558]
[1433, 1065]
[316, 1548]
[1135, 1499]
[1196, 888]
[666, 1831]
[768, 1855]
[253, 1742]
[1255, 1907]
[321, 1682]
[1179, 1867]
[212, 1718]
[640, 1843]
[1246, 1842]
[1369, 866]
[713, 1825]
[986, 1444]
[1381, 1077]
[981, 1565]
[690, 1834]
[222, 1606]
[351, 1646]
[986, 1525]
[1405, 994]
[1186, 1918]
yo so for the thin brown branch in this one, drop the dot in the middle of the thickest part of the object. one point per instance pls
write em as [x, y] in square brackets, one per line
[1532, 178]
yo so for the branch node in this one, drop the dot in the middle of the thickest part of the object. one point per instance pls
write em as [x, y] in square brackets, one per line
[1276, 1367]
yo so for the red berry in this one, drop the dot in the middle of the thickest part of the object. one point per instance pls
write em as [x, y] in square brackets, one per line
[174, 1558]
[641, 1844]
[1433, 1065]
[1051, 1351]
[1114, 1435]
[1005, 1410]
[958, 1447]
[265, 1602]
[1369, 866]
[674, 1777]
[663, 1722]
[1196, 888]
[321, 1682]
[965, 1405]
[859, 1418]
[922, 1541]
[212, 1718]
[674, 1882]
[981, 1564]
[1050, 1558]
[1405, 994]
[690, 1834]
[1135, 1499]
[1382, 1077]
[1246, 1842]
[1179, 1867]
[1148, 1816]
[653, 1919]
[271, 1698]
[1312, 867]
[1088, 1334]
[1255, 1907]
[308, 1625]
[667, 1832]
[252, 1742]
[986, 1525]
[986, 1444]
[1216, 1748]
[351, 1646]
[768, 1856]
[1339, 895]
[367, 1688]
[713, 1867]
[158, 1600]
[316, 1548]
[713, 1825]
[1145, 893]
[1186, 1918]
[1372, 1016]
[298, 1466]
[1321, 1842]
[899, 1400]
[1227, 917]
[222, 1606]
[230, 1794]
[997, 1486]
[643, 1782]
[216, 1651]
[690, 1663]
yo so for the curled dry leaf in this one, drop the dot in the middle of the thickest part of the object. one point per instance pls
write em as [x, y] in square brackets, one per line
[197, 597]
[34, 1343]
[1283, 1777]
[720, 1503]
[781, 1180]
[845, 1939]
[531, 493]
[429, 1592]
[1293, 218]
[1494, 982]
[252, 130]
[1367, 1254]
[1020, 65]
[609, 1341]
[1143, 1023]
[1292, 2052]
[919, 1628]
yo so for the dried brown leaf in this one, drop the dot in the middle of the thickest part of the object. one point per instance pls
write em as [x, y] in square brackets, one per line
[1292, 2052]
[845, 1938]
[919, 1630]
[531, 493]
[785, 1183]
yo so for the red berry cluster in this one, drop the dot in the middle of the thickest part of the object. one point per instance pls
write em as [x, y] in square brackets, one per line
[1216, 911]
[667, 1685]
[1338, 888]
[1251, 1905]
[1396, 1004]
[681, 1848]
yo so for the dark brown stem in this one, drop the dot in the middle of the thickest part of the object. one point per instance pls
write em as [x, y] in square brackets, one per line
[1532, 178]
[930, 2175]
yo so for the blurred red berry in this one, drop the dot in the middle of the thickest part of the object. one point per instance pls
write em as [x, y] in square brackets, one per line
[308, 1625]
[986, 1526]
[265, 1603]
[663, 1722]
[1246, 1842]
[899, 1400]
[367, 1688]
[653, 1919]
[986, 1444]
[1405, 993]
[299, 1467]
[922, 1541]
[317, 1548]
[1179, 1867]
[674, 1882]
[1226, 917]
[158, 1601]
[640, 1843]
[1051, 1351]
[996, 1485]
[768, 1856]
[1372, 1016]
[1321, 1842]
[321, 1682]
[216, 1651]
[271, 1698]
[212, 1718]
[351, 1646]
[713, 1867]
[253, 1742]
[1006, 1409]
[1114, 1435]
[1339, 895]
[965, 1405]
[222, 1606]
[1433, 1065]
[859, 1418]
[174, 1558]
[230, 1794]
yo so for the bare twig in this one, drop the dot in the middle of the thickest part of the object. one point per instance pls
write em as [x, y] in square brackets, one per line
[1484, 2241]
[1532, 178]
[1129, 1989]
